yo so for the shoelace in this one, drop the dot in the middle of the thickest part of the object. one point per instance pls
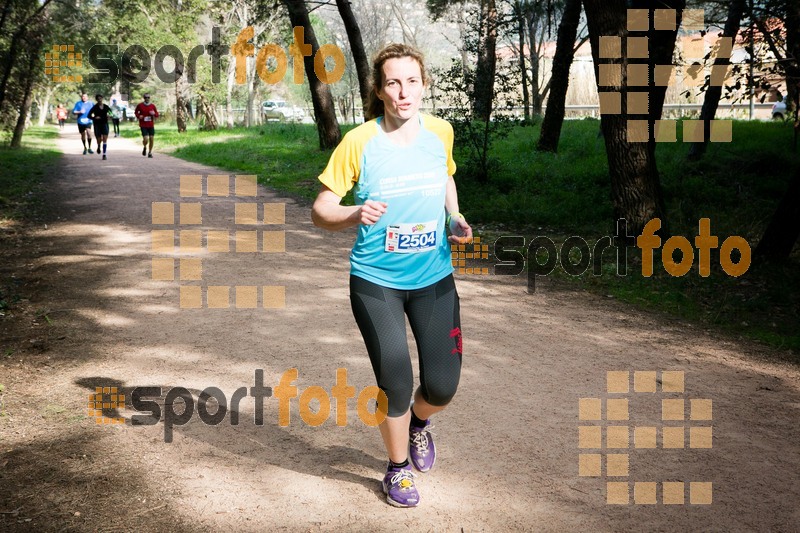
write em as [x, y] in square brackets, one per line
[420, 440]
[402, 474]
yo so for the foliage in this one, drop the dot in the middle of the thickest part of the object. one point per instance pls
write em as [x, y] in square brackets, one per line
[763, 39]
[23, 171]
[567, 190]
[283, 155]
[455, 87]
[536, 193]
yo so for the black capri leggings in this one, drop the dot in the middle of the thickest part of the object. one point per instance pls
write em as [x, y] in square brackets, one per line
[433, 313]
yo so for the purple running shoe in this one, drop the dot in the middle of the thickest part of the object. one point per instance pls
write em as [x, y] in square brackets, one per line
[422, 451]
[398, 484]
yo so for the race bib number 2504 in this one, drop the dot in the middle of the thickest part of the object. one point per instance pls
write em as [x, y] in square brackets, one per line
[411, 238]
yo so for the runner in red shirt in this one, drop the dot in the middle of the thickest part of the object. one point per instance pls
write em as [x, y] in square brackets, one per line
[146, 113]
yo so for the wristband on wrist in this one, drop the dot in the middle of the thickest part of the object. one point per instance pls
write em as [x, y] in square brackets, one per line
[451, 215]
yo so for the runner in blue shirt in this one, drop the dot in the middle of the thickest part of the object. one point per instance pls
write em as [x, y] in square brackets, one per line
[81, 111]
[400, 167]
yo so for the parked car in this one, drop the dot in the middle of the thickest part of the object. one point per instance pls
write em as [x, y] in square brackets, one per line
[280, 110]
[779, 111]
[127, 114]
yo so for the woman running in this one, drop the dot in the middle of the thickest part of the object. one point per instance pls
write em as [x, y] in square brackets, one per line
[401, 165]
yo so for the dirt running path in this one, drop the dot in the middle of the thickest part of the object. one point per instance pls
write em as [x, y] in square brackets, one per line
[508, 445]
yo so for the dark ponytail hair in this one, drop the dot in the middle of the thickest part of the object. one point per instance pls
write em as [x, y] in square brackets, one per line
[390, 51]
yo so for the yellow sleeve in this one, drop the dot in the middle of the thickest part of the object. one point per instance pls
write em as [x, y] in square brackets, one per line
[444, 131]
[344, 166]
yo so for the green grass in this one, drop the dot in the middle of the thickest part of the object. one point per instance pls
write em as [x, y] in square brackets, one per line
[23, 170]
[283, 156]
[566, 190]
[21, 174]
[737, 185]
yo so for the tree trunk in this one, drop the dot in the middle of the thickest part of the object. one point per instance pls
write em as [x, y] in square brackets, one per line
[462, 32]
[357, 49]
[181, 92]
[483, 93]
[180, 103]
[635, 188]
[784, 228]
[229, 94]
[793, 67]
[45, 105]
[533, 35]
[324, 108]
[253, 109]
[661, 49]
[27, 100]
[714, 92]
[526, 101]
[11, 56]
[409, 33]
[206, 111]
[559, 77]
[5, 14]
[661, 45]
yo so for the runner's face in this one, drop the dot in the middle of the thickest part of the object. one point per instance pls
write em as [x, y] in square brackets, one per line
[84, 98]
[402, 87]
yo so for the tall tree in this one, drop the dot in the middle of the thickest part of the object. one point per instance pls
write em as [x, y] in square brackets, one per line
[25, 13]
[721, 62]
[635, 187]
[783, 229]
[519, 16]
[182, 16]
[486, 68]
[30, 72]
[357, 49]
[324, 108]
[559, 79]
[661, 47]
[409, 32]
[539, 18]
[482, 90]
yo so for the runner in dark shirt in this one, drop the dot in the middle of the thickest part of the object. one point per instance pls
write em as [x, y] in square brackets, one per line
[99, 115]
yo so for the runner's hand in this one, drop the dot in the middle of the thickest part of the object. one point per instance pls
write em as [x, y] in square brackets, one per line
[371, 211]
[461, 232]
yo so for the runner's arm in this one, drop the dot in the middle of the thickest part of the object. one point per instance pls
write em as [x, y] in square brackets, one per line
[328, 213]
[451, 206]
